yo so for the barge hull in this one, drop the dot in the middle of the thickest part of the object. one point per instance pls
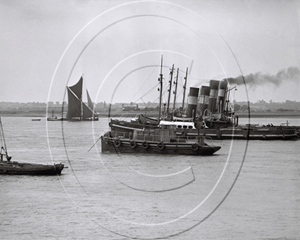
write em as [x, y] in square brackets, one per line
[225, 133]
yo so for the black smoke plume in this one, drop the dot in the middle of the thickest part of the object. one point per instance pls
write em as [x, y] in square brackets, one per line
[255, 79]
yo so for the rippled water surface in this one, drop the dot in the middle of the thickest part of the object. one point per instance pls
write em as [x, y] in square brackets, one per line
[148, 196]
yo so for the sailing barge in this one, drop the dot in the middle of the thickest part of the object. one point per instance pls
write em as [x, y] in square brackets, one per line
[158, 141]
[77, 109]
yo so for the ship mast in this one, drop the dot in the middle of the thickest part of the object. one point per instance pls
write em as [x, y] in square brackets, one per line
[227, 93]
[184, 88]
[175, 92]
[160, 88]
[4, 144]
[170, 87]
[81, 107]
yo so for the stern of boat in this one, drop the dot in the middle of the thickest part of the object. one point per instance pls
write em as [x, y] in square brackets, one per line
[59, 167]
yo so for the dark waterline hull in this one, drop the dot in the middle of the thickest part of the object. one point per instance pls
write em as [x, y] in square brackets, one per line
[109, 145]
[16, 168]
[81, 120]
[54, 119]
[259, 133]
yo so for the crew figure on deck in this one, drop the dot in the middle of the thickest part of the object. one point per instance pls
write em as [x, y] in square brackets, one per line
[2, 153]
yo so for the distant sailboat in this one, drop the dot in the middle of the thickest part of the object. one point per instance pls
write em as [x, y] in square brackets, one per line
[54, 118]
[77, 109]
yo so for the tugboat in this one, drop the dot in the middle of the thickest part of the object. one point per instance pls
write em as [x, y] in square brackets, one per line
[17, 168]
[158, 141]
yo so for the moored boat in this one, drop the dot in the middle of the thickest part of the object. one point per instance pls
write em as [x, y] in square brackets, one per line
[17, 168]
[188, 129]
[158, 141]
[55, 118]
[129, 126]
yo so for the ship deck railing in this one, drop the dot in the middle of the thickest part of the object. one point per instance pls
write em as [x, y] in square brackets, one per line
[158, 138]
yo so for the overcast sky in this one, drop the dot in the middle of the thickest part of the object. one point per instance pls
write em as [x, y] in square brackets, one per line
[117, 47]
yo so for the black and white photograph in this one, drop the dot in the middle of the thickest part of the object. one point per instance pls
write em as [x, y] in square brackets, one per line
[150, 119]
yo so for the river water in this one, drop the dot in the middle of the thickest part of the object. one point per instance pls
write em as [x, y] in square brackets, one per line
[247, 190]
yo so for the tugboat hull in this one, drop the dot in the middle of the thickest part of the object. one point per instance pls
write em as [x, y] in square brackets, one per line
[117, 145]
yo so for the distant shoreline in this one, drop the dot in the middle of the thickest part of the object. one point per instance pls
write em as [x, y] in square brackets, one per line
[117, 114]
[269, 114]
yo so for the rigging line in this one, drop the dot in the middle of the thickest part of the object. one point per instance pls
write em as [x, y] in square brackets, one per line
[94, 143]
[145, 81]
[144, 102]
[181, 82]
[180, 92]
[155, 100]
[164, 93]
[3, 136]
[147, 92]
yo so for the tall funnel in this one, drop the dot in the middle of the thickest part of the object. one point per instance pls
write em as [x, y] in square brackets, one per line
[214, 85]
[221, 95]
[203, 99]
[192, 103]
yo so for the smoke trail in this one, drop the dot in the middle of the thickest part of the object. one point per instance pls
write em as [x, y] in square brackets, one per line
[253, 80]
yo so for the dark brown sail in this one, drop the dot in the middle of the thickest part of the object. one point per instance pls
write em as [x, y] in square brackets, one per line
[77, 109]
[86, 111]
[74, 105]
[77, 89]
[90, 103]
